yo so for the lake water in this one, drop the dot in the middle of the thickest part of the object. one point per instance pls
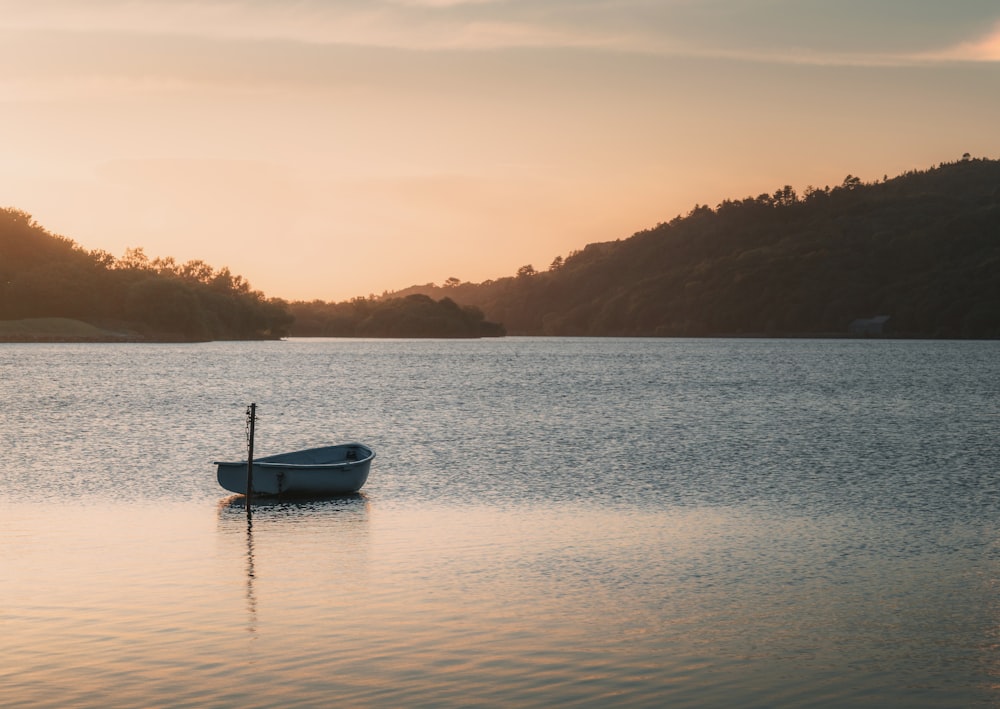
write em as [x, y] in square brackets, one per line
[571, 522]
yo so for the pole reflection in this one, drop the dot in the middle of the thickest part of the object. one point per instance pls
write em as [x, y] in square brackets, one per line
[251, 596]
[329, 535]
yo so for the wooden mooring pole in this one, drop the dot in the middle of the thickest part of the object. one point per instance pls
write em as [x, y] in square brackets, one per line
[251, 420]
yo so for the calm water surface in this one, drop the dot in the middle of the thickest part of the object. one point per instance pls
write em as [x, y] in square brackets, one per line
[572, 522]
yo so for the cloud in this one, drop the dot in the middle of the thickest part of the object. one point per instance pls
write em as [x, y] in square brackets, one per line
[441, 3]
[983, 49]
[846, 32]
[249, 43]
[303, 21]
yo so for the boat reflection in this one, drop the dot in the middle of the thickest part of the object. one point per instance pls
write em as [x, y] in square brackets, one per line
[282, 528]
[307, 508]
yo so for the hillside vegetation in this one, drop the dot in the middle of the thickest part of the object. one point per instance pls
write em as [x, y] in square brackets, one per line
[43, 275]
[922, 248]
[414, 315]
[53, 290]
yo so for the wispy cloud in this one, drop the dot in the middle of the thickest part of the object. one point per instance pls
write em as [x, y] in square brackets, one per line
[236, 19]
[982, 49]
[442, 3]
[786, 31]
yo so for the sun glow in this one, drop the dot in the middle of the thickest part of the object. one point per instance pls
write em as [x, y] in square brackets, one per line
[457, 138]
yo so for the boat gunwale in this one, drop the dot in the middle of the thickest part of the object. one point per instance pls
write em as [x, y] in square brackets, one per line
[309, 466]
[272, 461]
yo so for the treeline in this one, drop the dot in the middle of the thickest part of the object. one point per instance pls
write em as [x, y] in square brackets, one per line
[410, 316]
[922, 248]
[43, 275]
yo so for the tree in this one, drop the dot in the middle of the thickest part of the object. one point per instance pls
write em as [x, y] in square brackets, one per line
[851, 182]
[526, 271]
[785, 196]
[168, 305]
[197, 270]
[134, 259]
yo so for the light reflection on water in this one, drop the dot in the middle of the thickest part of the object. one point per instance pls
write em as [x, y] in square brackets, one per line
[588, 523]
[420, 606]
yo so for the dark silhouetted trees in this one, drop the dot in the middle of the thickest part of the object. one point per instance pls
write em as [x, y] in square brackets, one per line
[43, 275]
[411, 316]
[923, 248]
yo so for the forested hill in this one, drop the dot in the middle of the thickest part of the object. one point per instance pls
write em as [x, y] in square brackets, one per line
[922, 248]
[45, 276]
[52, 289]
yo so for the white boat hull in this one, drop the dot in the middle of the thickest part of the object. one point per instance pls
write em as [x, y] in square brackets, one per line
[329, 470]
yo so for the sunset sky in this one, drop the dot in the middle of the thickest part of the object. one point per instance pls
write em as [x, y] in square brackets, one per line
[335, 148]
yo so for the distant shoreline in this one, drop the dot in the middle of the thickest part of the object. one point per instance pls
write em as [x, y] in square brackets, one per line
[69, 331]
[59, 330]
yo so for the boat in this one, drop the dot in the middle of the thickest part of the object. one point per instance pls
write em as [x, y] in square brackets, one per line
[328, 470]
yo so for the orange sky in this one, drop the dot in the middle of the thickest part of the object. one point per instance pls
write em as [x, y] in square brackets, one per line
[335, 148]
